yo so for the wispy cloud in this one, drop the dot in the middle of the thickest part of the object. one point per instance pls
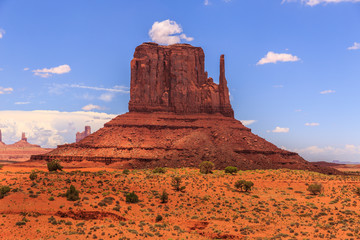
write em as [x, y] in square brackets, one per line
[48, 128]
[2, 32]
[346, 153]
[90, 107]
[272, 57]
[119, 89]
[356, 46]
[206, 2]
[21, 103]
[313, 124]
[107, 97]
[6, 90]
[327, 91]
[247, 122]
[59, 88]
[26, 69]
[280, 130]
[47, 72]
[317, 2]
[167, 32]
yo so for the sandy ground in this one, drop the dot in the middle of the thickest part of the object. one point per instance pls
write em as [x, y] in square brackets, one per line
[278, 207]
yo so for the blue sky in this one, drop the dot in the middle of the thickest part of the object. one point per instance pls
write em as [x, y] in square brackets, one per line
[292, 66]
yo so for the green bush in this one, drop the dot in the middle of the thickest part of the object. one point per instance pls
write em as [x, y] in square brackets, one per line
[206, 167]
[243, 185]
[1, 166]
[131, 198]
[72, 194]
[315, 188]
[158, 218]
[54, 165]
[176, 182]
[33, 175]
[164, 197]
[159, 170]
[126, 171]
[231, 170]
[357, 191]
[3, 191]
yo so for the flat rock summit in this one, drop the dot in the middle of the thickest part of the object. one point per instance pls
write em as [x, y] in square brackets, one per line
[178, 117]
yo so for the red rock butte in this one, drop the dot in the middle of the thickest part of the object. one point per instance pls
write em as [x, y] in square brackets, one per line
[178, 117]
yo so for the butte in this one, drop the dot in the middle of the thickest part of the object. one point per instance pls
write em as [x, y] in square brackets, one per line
[178, 117]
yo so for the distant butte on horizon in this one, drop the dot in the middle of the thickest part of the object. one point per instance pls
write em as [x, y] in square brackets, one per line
[178, 117]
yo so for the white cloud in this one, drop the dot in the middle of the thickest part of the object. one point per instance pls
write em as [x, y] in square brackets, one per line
[206, 2]
[48, 128]
[346, 153]
[90, 107]
[327, 91]
[58, 88]
[47, 72]
[167, 32]
[21, 103]
[272, 57]
[119, 89]
[280, 130]
[316, 2]
[278, 86]
[26, 69]
[298, 110]
[6, 90]
[356, 46]
[312, 124]
[106, 97]
[247, 122]
[2, 32]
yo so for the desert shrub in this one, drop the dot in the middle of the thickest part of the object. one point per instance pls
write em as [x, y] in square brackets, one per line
[206, 167]
[1, 166]
[72, 194]
[159, 170]
[164, 197]
[158, 218]
[3, 191]
[176, 182]
[231, 170]
[131, 198]
[20, 223]
[357, 191]
[33, 175]
[54, 165]
[126, 171]
[243, 185]
[315, 188]
[51, 198]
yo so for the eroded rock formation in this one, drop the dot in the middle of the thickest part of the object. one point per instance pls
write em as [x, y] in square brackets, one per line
[81, 135]
[178, 117]
[172, 79]
[19, 151]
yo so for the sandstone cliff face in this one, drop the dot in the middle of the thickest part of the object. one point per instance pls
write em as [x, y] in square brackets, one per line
[172, 79]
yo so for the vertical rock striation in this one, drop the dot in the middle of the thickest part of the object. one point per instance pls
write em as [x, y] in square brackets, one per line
[172, 79]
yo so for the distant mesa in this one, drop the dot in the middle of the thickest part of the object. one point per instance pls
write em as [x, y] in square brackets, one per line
[81, 135]
[19, 151]
[177, 117]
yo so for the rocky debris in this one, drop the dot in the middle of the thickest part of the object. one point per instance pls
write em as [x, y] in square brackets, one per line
[88, 215]
[172, 79]
[81, 135]
[178, 118]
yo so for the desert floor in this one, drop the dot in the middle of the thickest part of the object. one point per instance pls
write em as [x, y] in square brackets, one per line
[278, 207]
